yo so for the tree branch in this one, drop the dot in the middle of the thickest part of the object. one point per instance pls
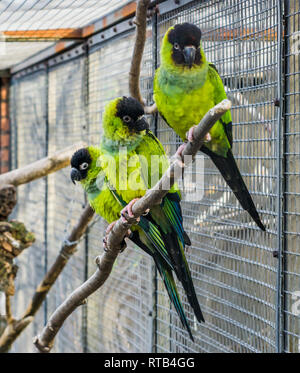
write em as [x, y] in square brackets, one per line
[45, 340]
[15, 327]
[8, 312]
[41, 167]
[137, 55]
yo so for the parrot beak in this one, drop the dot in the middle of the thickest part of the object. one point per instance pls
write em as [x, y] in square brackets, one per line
[141, 124]
[75, 175]
[189, 54]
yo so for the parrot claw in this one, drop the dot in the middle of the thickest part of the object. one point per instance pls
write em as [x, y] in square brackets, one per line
[179, 155]
[127, 212]
[123, 244]
[207, 137]
[146, 212]
[108, 230]
[190, 135]
[105, 245]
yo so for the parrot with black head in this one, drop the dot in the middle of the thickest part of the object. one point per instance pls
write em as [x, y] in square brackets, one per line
[186, 87]
[114, 180]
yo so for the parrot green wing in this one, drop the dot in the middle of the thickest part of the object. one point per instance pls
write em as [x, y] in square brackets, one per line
[168, 217]
[151, 231]
[220, 95]
[227, 165]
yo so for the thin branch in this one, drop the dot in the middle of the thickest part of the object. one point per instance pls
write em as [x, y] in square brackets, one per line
[45, 340]
[12, 331]
[68, 248]
[8, 312]
[14, 328]
[41, 167]
[137, 55]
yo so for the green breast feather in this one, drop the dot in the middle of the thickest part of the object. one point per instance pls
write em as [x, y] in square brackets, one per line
[134, 171]
[183, 108]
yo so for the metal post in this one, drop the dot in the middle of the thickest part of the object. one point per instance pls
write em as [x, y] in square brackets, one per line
[155, 119]
[86, 238]
[279, 204]
[46, 184]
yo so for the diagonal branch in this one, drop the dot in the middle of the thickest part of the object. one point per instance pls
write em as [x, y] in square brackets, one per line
[40, 168]
[45, 340]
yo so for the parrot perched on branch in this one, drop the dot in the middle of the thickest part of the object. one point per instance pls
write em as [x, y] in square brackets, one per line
[118, 173]
[186, 86]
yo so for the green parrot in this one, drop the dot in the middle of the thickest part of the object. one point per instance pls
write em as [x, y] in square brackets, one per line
[186, 86]
[118, 173]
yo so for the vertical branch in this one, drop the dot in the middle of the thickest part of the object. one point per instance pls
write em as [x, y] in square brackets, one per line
[138, 50]
[8, 312]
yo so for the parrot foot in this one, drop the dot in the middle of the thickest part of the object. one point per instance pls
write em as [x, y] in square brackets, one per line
[190, 135]
[127, 212]
[178, 155]
[108, 230]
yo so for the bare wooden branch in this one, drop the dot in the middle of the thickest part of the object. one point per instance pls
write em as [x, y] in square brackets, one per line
[135, 67]
[12, 331]
[8, 312]
[45, 340]
[41, 167]
[15, 327]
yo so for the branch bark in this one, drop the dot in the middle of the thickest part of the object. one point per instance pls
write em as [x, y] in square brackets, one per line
[8, 312]
[44, 342]
[41, 167]
[15, 327]
[137, 55]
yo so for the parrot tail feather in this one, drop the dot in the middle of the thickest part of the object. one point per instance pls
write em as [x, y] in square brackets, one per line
[183, 273]
[229, 170]
[165, 271]
[171, 288]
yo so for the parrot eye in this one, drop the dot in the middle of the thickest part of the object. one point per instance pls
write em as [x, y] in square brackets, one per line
[126, 118]
[83, 166]
[176, 46]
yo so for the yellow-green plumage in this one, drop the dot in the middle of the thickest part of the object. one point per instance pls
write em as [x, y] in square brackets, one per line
[119, 171]
[99, 196]
[184, 93]
[133, 161]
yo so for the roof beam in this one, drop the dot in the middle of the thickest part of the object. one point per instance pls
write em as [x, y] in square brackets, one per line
[42, 35]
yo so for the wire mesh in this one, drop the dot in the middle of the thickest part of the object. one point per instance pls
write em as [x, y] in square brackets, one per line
[67, 125]
[231, 260]
[119, 317]
[52, 14]
[29, 102]
[233, 269]
[292, 177]
[27, 18]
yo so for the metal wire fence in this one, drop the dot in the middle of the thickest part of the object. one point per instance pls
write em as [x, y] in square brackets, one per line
[246, 281]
